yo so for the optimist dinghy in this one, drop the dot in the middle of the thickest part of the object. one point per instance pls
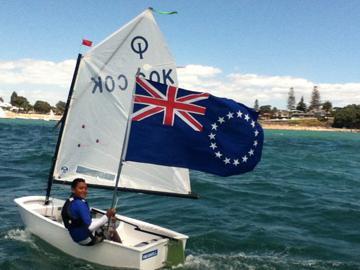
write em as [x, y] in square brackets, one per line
[139, 134]
[91, 142]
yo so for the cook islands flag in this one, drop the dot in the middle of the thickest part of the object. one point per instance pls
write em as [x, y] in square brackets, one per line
[180, 128]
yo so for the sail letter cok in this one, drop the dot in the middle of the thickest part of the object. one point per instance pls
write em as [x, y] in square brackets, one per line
[176, 127]
[95, 127]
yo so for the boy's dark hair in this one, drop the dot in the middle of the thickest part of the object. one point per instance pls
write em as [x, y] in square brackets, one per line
[76, 182]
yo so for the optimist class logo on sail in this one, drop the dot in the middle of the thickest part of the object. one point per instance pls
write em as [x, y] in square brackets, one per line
[140, 46]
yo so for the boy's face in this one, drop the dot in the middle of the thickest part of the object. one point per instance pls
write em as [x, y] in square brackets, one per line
[80, 190]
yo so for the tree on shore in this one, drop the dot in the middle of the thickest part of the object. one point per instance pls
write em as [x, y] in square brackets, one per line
[20, 101]
[349, 117]
[327, 106]
[60, 107]
[291, 100]
[274, 112]
[42, 106]
[315, 102]
[256, 105]
[265, 109]
[301, 106]
[13, 98]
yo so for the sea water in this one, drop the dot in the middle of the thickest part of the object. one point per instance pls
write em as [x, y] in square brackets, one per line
[299, 208]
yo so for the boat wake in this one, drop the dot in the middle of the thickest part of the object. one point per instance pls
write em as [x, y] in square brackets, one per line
[19, 235]
[244, 262]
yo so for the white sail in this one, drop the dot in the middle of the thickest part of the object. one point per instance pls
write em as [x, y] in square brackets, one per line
[2, 113]
[95, 127]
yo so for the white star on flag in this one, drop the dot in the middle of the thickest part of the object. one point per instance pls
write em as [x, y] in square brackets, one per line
[247, 118]
[218, 154]
[245, 158]
[214, 126]
[230, 115]
[212, 136]
[236, 162]
[239, 114]
[213, 146]
[251, 152]
[221, 120]
[227, 160]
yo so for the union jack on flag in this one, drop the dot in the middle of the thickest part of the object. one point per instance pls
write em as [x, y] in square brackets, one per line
[170, 103]
[181, 128]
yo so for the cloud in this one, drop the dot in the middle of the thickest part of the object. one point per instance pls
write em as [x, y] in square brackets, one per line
[36, 79]
[266, 81]
[50, 81]
[268, 90]
[30, 71]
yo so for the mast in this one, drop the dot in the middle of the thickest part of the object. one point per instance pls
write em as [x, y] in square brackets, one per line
[63, 120]
[125, 142]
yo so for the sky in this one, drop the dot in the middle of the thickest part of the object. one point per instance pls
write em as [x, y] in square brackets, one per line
[240, 49]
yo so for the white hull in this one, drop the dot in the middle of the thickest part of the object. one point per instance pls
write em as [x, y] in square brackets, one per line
[45, 222]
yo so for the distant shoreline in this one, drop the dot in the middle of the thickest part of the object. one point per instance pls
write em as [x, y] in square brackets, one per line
[286, 126]
[265, 124]
[33, 116]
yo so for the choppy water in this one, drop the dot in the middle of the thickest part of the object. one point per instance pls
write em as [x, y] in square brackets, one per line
[299, 209]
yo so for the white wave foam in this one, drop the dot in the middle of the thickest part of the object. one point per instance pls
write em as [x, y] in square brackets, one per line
[19, 235]
[250, 262]
[216, 261]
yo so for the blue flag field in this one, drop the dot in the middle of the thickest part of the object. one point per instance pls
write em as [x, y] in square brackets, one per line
[180, 128]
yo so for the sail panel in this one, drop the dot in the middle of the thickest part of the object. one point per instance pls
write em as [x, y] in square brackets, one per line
[95, 127]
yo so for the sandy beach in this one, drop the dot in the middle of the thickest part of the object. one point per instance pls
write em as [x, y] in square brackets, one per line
[287, 126]
[33, 116]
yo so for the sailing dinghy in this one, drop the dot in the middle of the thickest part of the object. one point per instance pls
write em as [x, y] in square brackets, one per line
[91, 142]
[111, 118]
